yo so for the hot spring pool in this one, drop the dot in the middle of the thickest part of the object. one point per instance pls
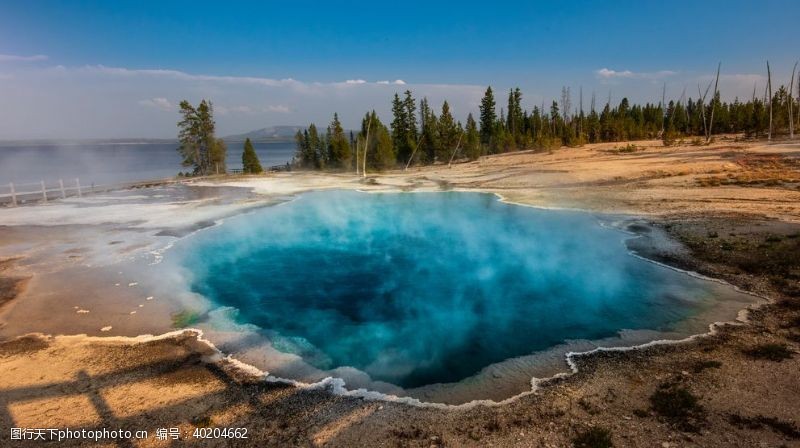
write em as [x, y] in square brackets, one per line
[426, 288]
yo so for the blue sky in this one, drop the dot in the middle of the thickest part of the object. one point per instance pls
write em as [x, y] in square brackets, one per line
[435, 48]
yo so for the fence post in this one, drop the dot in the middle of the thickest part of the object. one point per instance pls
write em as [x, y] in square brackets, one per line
[78, 186]
[44, 192]
[63, 192]
[13, 194]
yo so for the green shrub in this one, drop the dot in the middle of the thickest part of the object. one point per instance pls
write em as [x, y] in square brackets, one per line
[594, 437]
[771, 352]
[678, 406]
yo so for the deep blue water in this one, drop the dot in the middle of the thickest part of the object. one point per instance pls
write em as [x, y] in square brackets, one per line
[423, 288]
[113, 162]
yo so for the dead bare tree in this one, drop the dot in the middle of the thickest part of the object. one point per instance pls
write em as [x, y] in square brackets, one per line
[455, 151]
[682, 101]
[663, 107]
[769, 87]
[791, 103]
[366, 145]
[566, 103]
[419, 139]
[713, 105]
[702, 99]
[580, 116]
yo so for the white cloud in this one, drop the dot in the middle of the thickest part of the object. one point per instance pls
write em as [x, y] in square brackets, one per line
[278, 108]
[226, 110]
[606, 73]
[158, 103]
[17, 58]
[398, 82]
[93, 100]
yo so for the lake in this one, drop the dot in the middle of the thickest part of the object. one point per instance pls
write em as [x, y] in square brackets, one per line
[104, 163]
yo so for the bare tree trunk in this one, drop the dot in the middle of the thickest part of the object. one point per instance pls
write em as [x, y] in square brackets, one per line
[703, 106]
[366, 145]
[702, 109]
[769, 87]
[419, 139]
[663, 108]
[685, 109]
[455, 151]
[580, 117]
[713, 105]
[791, 104]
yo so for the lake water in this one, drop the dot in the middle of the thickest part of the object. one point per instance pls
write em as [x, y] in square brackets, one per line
[114, 162]
[423, 288]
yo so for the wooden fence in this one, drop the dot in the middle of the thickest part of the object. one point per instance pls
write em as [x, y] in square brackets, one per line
[12, 194]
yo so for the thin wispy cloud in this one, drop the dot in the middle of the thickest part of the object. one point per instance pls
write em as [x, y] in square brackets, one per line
[300, 86]
[158, 103]
[95, 100]
[278, 108]
[18, 58]
[608, 74]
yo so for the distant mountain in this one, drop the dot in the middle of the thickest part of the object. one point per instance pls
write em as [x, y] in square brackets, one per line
[269, 133]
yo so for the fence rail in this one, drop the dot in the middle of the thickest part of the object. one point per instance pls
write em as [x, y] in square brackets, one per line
[15, 194]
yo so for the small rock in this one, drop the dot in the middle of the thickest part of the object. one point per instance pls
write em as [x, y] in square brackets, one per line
[133, 283]
[149, 298]
[108, 328]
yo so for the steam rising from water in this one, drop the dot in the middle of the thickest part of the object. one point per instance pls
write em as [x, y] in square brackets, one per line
[417, 289]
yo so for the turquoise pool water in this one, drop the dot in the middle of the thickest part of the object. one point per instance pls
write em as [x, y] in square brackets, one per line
[424, 288]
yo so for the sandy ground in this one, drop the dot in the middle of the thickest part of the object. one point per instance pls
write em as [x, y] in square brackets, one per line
[735, 206]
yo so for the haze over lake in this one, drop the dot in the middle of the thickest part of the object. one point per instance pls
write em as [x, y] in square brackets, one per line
[104, 163]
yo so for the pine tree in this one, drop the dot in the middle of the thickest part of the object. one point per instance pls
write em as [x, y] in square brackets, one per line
[400, 129]
[514, 121]
[411, 117]
[250, 162]
[380, 152]
[219, 151]
[448, 134]
[338, 145]
[472, 144]
[196, 136]
[304, 157]
[315, 147]
[488, 116]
